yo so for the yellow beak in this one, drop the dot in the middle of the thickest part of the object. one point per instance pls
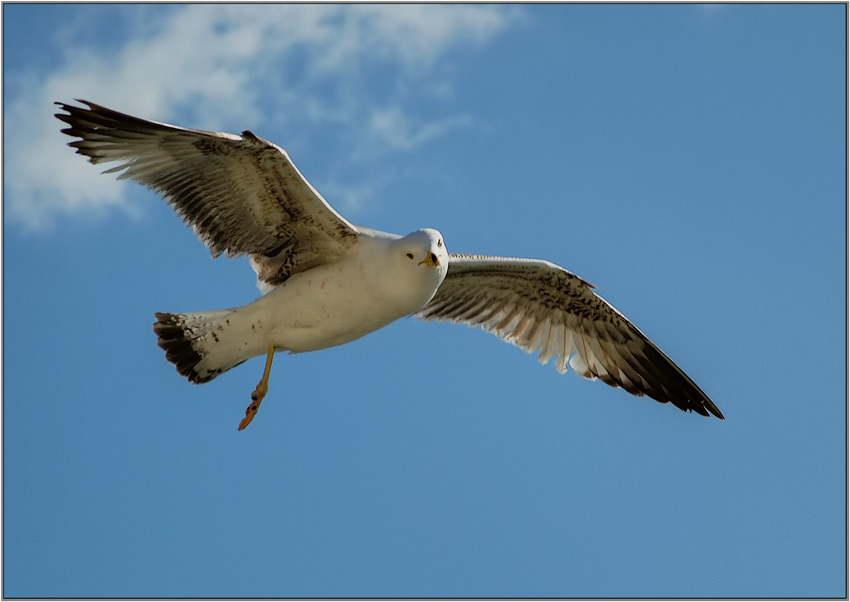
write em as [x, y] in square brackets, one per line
[431, 259]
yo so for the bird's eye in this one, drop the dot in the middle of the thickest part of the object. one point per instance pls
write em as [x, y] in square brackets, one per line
[440, 243]
[410, 255]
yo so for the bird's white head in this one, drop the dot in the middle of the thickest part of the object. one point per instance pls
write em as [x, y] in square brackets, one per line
[424, 252]
[426, 248]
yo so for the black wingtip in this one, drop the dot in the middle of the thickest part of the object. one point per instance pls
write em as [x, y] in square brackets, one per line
[701, 405]
[714, 409]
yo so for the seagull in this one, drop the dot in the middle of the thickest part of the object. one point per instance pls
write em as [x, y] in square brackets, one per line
[326, 281]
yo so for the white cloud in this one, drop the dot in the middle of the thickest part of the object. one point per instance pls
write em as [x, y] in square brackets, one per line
[216, 67]
[394, 127]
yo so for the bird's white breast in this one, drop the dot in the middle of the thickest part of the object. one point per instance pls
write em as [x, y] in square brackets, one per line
[334, 304]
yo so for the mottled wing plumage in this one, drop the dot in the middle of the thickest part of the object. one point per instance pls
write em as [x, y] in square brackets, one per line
[538, 305]
[241, 194]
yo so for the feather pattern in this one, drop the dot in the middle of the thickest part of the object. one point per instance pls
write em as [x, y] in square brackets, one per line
[240, 194]
[539, 306]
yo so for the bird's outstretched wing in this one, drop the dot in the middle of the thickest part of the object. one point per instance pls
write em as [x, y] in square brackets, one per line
[241, 194]
[538, 305]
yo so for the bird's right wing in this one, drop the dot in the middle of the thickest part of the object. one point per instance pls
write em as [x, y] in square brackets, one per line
[241, 194]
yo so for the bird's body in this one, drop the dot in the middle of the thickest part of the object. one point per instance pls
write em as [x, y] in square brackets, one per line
[323, 307]
[329, 282]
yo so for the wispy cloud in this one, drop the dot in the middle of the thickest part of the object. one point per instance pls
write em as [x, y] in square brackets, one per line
[217, 67]
[394, 127]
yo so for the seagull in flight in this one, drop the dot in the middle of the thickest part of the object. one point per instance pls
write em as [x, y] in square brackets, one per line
[326, 281]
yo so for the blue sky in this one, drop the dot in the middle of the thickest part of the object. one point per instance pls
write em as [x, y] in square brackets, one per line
[688, 160]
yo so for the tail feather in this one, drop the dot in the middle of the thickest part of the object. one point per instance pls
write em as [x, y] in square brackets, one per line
[193, 343]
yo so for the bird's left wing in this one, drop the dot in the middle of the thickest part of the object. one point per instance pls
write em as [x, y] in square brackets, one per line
[538, 305]
[241, 194]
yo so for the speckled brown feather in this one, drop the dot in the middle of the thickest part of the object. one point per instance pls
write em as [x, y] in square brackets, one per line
[241, 194]
[538, 305]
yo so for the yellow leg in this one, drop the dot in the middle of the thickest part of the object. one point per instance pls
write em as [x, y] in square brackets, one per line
[259, 392]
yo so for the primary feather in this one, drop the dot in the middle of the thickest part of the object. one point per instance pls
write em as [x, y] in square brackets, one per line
[539, 306]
